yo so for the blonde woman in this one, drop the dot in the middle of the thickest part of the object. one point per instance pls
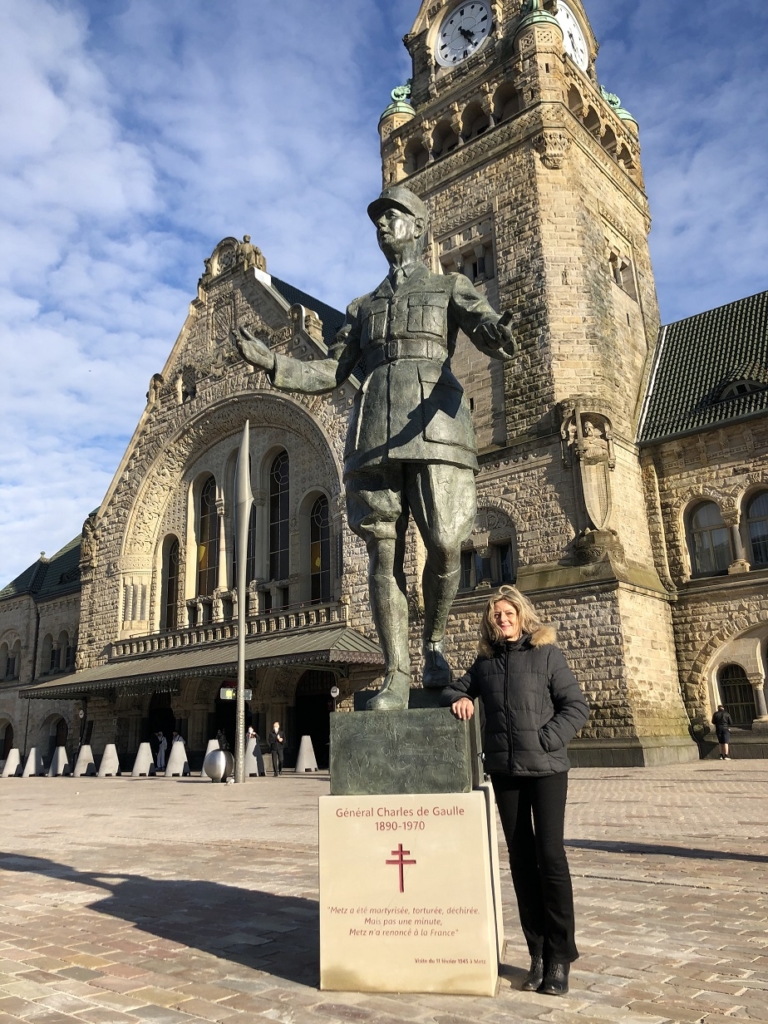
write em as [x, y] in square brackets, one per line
[533, 709]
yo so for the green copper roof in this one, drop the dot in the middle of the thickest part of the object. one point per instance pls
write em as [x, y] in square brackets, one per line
[535, 14]
[613, 101]
[400, 102]
[48, 577]
[709, 369]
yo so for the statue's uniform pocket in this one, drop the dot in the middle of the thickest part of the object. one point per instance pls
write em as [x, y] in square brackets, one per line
[445, 409]
[375, 321]
[427, 313]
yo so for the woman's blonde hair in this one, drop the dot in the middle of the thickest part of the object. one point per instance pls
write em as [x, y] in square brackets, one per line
[490, 632]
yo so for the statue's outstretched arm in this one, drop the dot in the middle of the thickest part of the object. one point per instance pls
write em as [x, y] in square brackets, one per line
[316, 377]
[488, 330]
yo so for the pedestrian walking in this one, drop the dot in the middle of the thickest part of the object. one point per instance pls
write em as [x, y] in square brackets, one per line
[722, 722]
[276, 740]
[162, 747]
[533, 707]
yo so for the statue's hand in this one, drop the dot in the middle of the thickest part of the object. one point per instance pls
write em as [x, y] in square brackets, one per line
[253, 350]
[497, 339]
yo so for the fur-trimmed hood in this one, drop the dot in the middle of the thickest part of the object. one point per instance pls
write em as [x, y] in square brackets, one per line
[539, 638]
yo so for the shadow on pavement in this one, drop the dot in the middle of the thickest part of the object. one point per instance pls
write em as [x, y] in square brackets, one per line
[275, 934]
[609, 846]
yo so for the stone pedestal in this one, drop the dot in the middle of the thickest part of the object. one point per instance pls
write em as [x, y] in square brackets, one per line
[415, 751]
[407, 900]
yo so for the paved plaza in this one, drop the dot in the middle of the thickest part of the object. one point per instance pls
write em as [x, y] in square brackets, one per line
[179, 900]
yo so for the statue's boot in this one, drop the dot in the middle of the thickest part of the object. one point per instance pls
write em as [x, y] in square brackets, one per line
[390, 613]
[439, 592]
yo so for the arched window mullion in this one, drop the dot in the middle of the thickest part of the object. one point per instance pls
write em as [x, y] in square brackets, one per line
[208, 541]
[320, 551]
[279, 518]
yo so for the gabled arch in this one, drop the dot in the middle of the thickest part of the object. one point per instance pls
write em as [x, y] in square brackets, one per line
[474, 121]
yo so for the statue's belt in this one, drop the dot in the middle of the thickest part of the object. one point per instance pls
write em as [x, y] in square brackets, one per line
[404, 348]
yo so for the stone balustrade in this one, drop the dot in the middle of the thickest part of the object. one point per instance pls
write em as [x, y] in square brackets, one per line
[300, 617]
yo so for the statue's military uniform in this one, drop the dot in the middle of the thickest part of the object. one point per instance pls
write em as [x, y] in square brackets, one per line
[410, 442]
[410, 408]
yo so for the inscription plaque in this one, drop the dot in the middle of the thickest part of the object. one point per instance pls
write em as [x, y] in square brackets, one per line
[407, 901]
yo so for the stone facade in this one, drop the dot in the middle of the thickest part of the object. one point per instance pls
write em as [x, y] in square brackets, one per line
[533, 177]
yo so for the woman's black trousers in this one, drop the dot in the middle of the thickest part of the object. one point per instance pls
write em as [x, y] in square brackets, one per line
[532, 812]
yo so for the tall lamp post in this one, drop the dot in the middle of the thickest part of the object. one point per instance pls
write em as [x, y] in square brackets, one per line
[243, 504]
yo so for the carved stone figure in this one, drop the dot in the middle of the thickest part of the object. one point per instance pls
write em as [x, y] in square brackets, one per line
[250, 255]
[410, 443]
[88, 545]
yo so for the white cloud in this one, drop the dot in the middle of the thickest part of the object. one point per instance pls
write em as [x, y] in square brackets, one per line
[137, 134]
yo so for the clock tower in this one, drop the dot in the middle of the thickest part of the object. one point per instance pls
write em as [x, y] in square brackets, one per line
[531, 169]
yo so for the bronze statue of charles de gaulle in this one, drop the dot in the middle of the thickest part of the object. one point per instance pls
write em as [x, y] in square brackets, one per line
[410, 443]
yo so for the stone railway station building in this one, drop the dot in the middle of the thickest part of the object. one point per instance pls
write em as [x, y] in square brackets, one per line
[623, 464]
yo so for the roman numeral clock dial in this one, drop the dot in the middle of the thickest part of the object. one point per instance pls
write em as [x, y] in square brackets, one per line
[463, 32]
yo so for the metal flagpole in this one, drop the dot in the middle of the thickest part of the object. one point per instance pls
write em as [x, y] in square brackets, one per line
[243, 503]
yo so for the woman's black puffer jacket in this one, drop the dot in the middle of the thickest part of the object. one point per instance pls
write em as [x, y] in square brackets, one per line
[533, 705]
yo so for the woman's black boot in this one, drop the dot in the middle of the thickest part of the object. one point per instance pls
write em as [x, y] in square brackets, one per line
[535, 976]
[555, 982]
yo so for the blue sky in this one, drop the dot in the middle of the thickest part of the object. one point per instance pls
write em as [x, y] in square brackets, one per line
[134, 135]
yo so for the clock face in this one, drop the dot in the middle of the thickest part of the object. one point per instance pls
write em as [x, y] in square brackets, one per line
[573, 38]
[464, 30]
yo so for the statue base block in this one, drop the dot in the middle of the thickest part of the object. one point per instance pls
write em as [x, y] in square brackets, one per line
[409, 893]
[415, 751]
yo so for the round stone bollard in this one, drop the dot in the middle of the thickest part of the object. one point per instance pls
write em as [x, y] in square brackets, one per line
[218, 764]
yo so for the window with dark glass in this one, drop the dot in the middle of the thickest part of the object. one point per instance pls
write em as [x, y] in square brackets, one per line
[279, 518]
[736, 694]
[757, 524]
[710, 538]
[208, 541]
[170, 614]
[320, 551]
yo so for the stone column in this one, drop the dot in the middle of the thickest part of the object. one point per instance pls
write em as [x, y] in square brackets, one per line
[740, 563]
[760, 724]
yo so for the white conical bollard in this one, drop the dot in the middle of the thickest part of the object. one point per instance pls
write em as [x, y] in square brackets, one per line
[144, 763]
[85, 764]
[212, 745]
[59, 763]
[306, 761]
[110, 762]
[12, 766]
[177, 762]
[34, 765]
[254, 762]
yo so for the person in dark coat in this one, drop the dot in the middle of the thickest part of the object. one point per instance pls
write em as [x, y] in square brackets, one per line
[276, 740]
[533, 709]
[722, 722]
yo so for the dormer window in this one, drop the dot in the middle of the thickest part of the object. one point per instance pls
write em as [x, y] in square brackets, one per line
[741, 387]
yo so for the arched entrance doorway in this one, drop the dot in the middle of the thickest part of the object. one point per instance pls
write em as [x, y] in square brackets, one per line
[736, 694]
[160, 718]
[313, 713]
[6, 740]
[53, 734]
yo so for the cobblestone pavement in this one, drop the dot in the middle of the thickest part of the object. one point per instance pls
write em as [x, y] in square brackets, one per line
[179, 900]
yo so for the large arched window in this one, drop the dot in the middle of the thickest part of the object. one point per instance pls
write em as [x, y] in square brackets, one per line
[757, 524]
[4, 652]
[320, 550]
[63, 649]
[736, 694]
[279, 519]
[710, 540]
[208, 541]
[14, 661]
[171, 585]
